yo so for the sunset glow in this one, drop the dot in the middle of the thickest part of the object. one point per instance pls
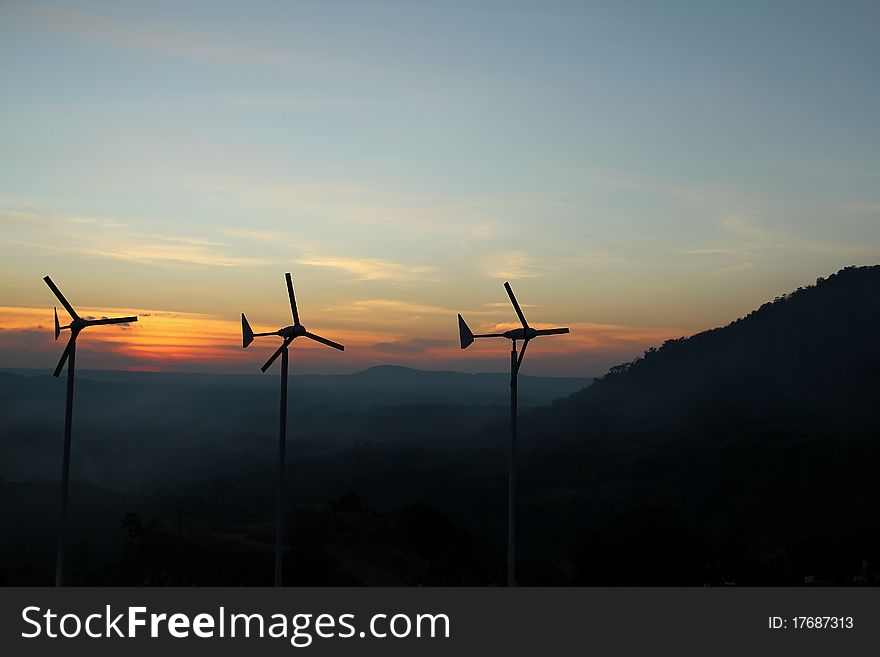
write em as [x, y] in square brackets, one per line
[163, 340]
[175, 162]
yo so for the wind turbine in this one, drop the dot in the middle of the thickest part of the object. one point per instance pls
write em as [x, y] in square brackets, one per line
[76, 325]
[288, 334]
[526, 334]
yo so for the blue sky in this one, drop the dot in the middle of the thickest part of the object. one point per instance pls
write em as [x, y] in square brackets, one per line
[636, 169]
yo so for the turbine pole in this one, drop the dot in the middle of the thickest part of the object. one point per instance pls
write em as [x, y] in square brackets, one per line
[288, 333]
[511, 473]
[282, 444]
[68, 357]
[526, 334]
[65, 465]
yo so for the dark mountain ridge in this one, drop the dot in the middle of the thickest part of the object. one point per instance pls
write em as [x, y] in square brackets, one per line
[760, 436]
[806, 356]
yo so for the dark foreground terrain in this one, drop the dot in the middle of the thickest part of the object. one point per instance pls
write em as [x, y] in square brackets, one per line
[743, 455]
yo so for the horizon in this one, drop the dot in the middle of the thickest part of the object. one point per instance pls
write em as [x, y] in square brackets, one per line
[97, 350]
[403, 161]
[85, 371]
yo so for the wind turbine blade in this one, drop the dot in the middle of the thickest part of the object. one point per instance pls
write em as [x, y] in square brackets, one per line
[329, 343]
[64, 356]
[277, 353]
[519, 312]
[57, 325]
[555, 331]
[522, 353]
[465, 335]
[247, 335]
[292, 299]
[111, 320]
[60, 296]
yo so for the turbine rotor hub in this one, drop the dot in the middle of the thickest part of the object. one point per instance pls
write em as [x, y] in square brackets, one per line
[295, 331]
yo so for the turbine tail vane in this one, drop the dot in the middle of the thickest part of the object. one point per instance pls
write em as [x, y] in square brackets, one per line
[57, 326]
[465, 335]
[247, 334]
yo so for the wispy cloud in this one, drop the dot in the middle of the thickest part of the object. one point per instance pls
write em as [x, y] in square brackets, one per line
[515, 265]
[354, 205]
[391, 307]
[862, 207]
[748, 241]
[506, 304]
[372, 269]
[203, 41]
[751, 231]
[255, 235]
[518, 264]
[109, 238]
[641, 184]
[739, 266]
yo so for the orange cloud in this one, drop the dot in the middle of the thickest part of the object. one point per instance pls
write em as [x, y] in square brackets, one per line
[168, 340]
[159, 338]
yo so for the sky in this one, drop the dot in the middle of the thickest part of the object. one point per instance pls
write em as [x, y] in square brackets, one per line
[637, 170]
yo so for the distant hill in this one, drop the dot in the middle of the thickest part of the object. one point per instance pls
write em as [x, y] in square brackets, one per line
[187, 423]
[376, 386]
[457, 387]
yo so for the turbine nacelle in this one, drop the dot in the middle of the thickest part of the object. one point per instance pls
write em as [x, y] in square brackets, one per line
[295, 331]
[520, 334]
[77, 323]
[289, 333]
[531, 333]
[466, 336]
[526, 333]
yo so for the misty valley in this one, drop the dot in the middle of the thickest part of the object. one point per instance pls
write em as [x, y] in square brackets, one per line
[742, 455]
